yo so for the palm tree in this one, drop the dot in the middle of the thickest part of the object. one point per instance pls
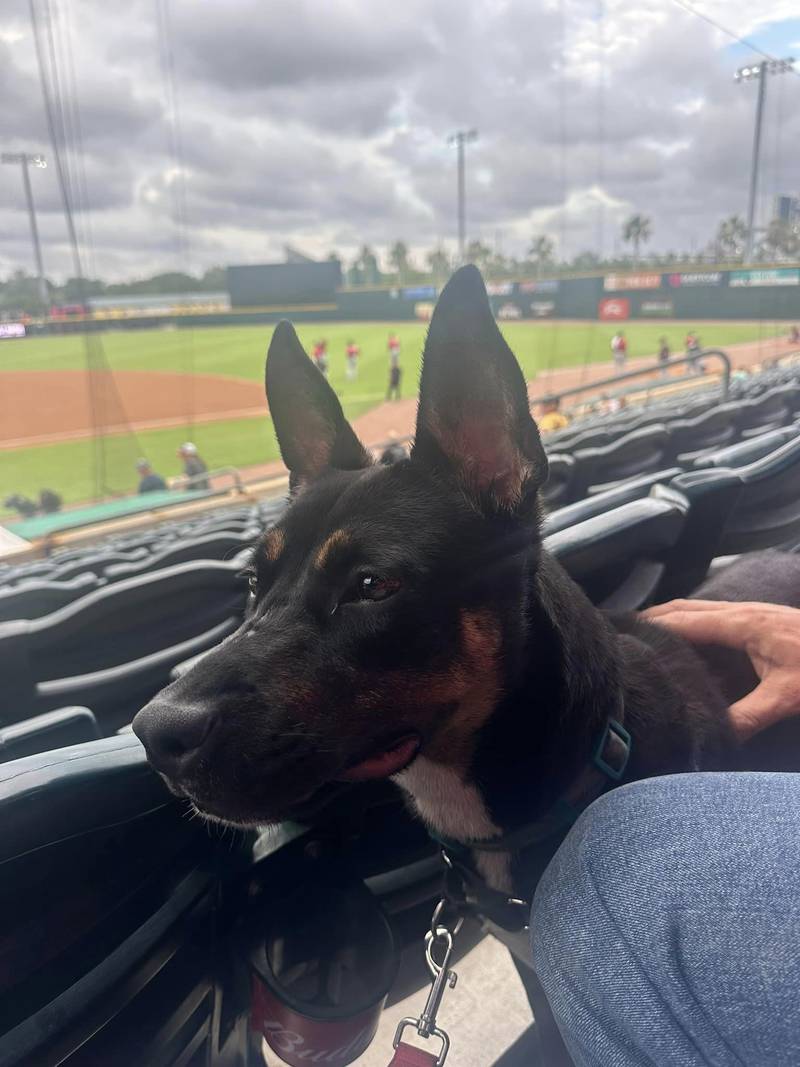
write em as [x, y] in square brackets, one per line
[542, 253]
[398, 258]
[731, 238]
[438, 262]
[636, 230]
[781, 241]
[479, 254]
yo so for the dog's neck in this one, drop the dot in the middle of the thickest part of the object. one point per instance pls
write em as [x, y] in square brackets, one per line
[540, 735]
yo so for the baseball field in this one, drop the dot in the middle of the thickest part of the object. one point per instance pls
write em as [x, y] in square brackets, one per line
[166, 385]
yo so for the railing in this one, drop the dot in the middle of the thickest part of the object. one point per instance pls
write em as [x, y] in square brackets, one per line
[649, 371]
[185, 482]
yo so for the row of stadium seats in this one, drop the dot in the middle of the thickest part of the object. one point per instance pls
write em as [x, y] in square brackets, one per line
[646, 538]
[143, 947]
[584, 464]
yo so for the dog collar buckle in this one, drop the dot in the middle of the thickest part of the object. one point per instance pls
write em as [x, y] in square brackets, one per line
[613, 751]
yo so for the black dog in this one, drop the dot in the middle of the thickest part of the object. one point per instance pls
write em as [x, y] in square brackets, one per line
[406, 622]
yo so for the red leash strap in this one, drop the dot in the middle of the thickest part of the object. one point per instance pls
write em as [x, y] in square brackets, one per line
[409, 1056]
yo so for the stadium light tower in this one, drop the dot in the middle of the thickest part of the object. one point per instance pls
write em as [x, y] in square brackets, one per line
[460, 139]
[758, 72]
[37, 160]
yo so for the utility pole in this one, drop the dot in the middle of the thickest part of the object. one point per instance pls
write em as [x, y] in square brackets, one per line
[460, 139]
[38, 161]
[760, 73]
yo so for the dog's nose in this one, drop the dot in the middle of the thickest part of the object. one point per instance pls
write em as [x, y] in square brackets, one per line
[173, 733]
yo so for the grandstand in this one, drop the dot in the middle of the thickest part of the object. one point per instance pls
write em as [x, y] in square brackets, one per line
[640, 505]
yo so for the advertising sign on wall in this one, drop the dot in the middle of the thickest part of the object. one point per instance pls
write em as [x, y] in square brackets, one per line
[419, 292]
[696, 277]
[614, 309]
[499, 288]
[543, 309]
[661, 309]
[546, 285]
[740, 279]
[613, 283]
[9, 330]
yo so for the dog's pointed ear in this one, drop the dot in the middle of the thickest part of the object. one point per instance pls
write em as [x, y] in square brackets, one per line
[313, 434]
[474, 418]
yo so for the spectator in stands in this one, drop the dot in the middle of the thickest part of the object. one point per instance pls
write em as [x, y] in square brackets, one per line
[49, 502]
[352, 352]
[663, 355]
[23, 505]
[194, 467]
[619, 350]
[552, 418]
[149, 481]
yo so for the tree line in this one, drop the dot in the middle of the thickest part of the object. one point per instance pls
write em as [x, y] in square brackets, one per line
[779, 242]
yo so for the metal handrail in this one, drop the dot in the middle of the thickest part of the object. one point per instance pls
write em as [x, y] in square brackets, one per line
[641, 372]
[186, 481]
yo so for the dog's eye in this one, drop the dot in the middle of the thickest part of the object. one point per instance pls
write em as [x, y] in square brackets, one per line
[252, 581]
[373, 587]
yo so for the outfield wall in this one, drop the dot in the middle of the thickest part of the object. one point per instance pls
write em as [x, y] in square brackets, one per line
[766, 293]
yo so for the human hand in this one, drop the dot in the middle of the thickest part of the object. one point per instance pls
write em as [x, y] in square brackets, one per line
[768, 633]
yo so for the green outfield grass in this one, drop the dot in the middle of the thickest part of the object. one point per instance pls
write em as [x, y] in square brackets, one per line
[239, 351]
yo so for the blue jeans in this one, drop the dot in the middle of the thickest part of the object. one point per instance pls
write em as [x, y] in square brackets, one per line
[666, 930]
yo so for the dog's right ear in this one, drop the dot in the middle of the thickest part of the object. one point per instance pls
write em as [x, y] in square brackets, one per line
[313, 434]
[474, 421]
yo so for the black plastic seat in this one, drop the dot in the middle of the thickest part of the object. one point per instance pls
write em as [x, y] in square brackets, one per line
[637, 453]
[711, 429]
[739, 455]
[33, 599]
[214, 546]
[113, 649]
[600, 503]
[113, 946]
[618, 557]
[53, 729]
[734, 511]
[557, 488]
[768, 411]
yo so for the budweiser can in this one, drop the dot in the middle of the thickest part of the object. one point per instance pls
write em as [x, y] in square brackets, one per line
[321, 975]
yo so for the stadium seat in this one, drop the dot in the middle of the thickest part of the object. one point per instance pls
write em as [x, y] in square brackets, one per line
[766, 412]
[113, 649]
[32, 599]
[53, 729]
[214, 546]
[711, 429]
[636, 453]
[115, 946]
[599, 503]
[734, 511]
[739, 455]
[618, 557]
[557, 488]
[97, 563]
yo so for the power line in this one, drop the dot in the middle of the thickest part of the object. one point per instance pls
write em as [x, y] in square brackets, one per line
[728, 33]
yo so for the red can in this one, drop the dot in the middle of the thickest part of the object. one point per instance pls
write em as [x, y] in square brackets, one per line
[321, 975]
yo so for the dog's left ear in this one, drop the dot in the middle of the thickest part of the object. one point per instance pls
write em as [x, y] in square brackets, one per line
[313, 434]
[474, 418]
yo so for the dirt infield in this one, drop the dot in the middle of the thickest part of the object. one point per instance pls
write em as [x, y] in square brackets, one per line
[43, 407]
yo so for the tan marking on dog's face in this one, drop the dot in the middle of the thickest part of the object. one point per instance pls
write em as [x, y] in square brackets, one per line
[274, 544]
[336, 540]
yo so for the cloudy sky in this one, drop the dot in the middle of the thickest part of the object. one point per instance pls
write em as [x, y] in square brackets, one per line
[324, 123]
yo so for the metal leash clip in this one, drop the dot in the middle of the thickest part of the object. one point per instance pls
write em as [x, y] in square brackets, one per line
[443, 978]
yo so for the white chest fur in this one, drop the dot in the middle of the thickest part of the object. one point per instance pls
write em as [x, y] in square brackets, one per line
[455, 808]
